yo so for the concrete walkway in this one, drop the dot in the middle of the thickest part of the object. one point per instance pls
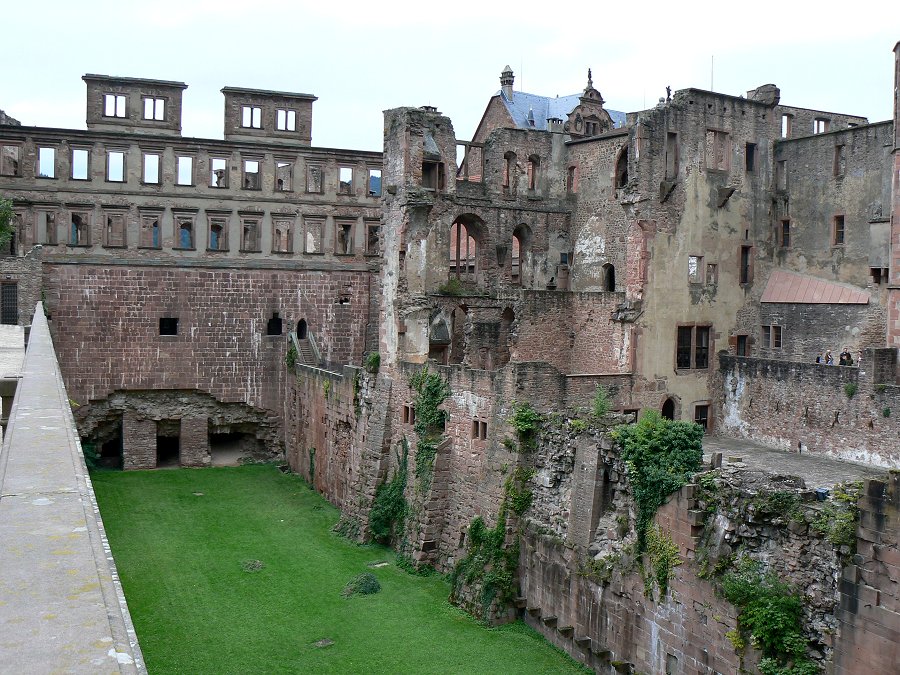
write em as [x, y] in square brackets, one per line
[816, 470]
[61, 606]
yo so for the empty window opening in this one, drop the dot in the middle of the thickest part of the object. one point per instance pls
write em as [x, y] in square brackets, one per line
[787, 124]
[46, 163]
[155, 109]
[149, 232]
[479, 430]
[750, 157]
[185, 227]
[695, 269]
[840, 161]
[821, 125]
[712, 274]
[373, 237]
[746, 265]
[185, 171]
[668, 409]
[9, 160]
[409, 414]
[515, 263]
[879, 275]
[217, 230]
[701, 417]
[374, 183]
[781, 178]
[250, 234]
[534, 168]
[114, 105]
[285, 120]
[151, 168]
[281, 235]
[609, 278]
[314, 179]
[741, 346]
[343, 243]
[571, 180]
[168, 326]
[168, 444]
[462, 252]
[622, 168]
[784, 239]
[718, 150]
[345, 180]
[251, 174]
[115, 229]
[47, 227]
[284, 176]
[251, 117]
[509, 171]
[692, 350]
[78, 235]
[274, 326]
[80, 164]
[433, 175]
[312, 242]
[838, 231]
[218, 172]
[671, 156]
[115, 166]
[301, 329]
[9, 304]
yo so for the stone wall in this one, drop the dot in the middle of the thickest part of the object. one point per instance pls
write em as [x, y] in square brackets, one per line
[806, 405]
[25, 273]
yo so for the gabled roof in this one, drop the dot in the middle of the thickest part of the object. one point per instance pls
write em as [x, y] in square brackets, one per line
[790, 287]
[545, 107]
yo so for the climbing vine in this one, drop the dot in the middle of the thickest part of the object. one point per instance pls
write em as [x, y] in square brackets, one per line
[389, 506]
[6, 219]
[662, 557]
[431, 391]
[661, 456]
[290, 358]
[526, 421]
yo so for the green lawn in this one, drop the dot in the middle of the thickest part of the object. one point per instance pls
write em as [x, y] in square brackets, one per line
[180, 537]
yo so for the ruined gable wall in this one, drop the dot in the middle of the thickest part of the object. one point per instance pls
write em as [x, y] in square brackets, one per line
[783, 404]
[25, 272]
[496, 116]
[106, 327]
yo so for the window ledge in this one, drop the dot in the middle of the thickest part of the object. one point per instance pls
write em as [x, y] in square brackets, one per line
[283, 252]
[344, 255]
[115, 245]
[79, 245]
[183, 248]
[217, 250]
[250, 250]
[150, 248]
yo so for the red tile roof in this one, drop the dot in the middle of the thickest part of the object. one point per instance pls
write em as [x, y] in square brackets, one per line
[799, 288]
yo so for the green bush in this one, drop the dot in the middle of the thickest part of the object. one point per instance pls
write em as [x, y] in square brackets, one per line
[662, 554]
[6, 222]
[452, 287]
[850, 389]
[362, 584]
[601, 402]
[290, 358]
[373, 362]
[526, 421]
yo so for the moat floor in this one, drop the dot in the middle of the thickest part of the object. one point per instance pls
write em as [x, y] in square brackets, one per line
[814, 468]
[183, 541]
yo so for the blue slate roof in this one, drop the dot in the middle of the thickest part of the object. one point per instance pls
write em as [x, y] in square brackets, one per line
[544, 107]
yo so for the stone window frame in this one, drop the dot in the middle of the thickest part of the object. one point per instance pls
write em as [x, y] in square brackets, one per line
[214, 218]
[291, 163]
[370, 224]
[369, 191]
[697, 276]
[117, 98]
[339, 225]
[290, 116]
[784, 233]
[246, 217]
[479, 430]
[291, 221]
[117, 151]
[156, 100]
[341, 189]
[310, 168]
[88, 150]
[821, 125]
[318, 222]
[694, 347]
[122, 213]
[770, 334]
[151, 152]
[838, 231]
[18, 145]
[47, 240]
[751, 157]
[179, 217]
[38, 164]
[245, 174]
[703, 406]
[82, 238]
[255, 116]
[745, 273]
[533, 174]
[218, 185]
[186, 155]
[572, 179]
[148, 216]
[721, 144]
[840, 160]
[787, 125]
[408, 414]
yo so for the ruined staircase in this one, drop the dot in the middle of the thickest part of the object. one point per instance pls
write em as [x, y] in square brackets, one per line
[305, 353]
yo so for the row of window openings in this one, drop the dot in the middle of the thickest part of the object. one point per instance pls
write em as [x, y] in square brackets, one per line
[838, 232]
[285, 120]
[708, 274]
[282, 234]
[184, 173]
[116, 105]
[169, 325]
[479, 427]
[820, 125]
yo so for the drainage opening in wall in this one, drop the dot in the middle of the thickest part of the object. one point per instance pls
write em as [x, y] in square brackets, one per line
[168, 444]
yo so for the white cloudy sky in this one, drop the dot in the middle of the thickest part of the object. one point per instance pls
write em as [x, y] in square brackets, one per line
[362, 57]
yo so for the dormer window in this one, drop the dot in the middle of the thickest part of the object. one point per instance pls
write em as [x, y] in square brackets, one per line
[114, 105]
[155, 109]
[286, 120]
[251, 117]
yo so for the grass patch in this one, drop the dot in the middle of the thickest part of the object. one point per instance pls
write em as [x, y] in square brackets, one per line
[196, 609]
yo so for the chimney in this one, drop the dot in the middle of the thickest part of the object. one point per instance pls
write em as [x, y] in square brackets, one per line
[506, 83]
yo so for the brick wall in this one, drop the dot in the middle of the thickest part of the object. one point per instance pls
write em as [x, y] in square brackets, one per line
[25, 272]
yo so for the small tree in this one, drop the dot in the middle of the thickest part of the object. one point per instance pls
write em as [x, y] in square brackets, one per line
[6, 222]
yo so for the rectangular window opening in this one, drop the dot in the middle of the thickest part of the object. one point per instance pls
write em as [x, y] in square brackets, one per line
[718, 150]
[671, 156]
[80, 164]
[115, 166]
[251, 174]
[286, 120]
[151, 168]
[184, 170]
[275, 325]
[838, 231]
[695, 269]
[114, 105]
[692, 347]
[750, 157]
[840, 162]
[9, 305]
[155, 109]
[343, 244]
[218, 172]
[250, 234]
[374, 183]
[345, 180]
[46, 163]
[314, 179]
[184, 227]
[742, 345]
[284, 176]
[168, 326]
[313, 238]
[115, 230]
[47, 227]
[373, 230]
[281, 235]
[821, 125]
[701, 416]
[9, 160]
[251, 117]
[433, 175]
[149, 236]
[217, 234]
[787, 124]
[785, 234]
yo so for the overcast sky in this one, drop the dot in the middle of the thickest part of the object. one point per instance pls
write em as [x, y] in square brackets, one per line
[361, 58]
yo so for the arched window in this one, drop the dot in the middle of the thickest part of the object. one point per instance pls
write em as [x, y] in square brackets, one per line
[520, 242]
[622, 168]
[668, 409]
[462, 252]
[609, 278]
[301, 329]
[534, 165]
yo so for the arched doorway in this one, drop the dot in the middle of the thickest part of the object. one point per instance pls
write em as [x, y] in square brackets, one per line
[668, 409]
[301, 329]
[609, 278]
